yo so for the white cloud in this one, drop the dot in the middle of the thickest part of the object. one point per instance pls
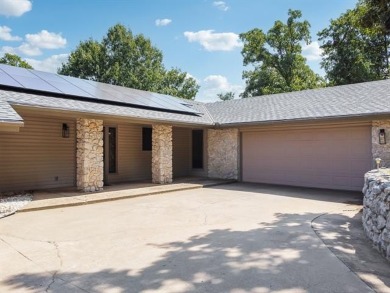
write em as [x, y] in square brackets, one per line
[14, 7]
[213, 85]
[46, 40]
[34, 43]
[50, 64]
[7, 49]
[312, 52]
[214, 41]
[221, 5]
[163, 22]
[5, 34]
[28, 49]
[191, 76]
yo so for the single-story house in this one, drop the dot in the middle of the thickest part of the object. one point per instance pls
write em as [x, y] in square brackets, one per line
[58, 131]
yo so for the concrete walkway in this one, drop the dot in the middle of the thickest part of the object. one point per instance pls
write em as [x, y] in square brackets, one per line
[67, 197]
[342, 233]
[229, 238]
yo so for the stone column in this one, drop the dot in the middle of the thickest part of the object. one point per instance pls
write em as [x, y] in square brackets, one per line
[223, 151]
[162, 154]
[90, 155]
[381, 150]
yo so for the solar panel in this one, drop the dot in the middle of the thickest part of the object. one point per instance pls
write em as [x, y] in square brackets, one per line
[34, 80]
[7, 80]
[61, 84]
[28, 80]
[11, 70]
[121, 94]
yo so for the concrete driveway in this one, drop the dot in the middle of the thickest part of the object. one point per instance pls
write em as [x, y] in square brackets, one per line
[231, 238]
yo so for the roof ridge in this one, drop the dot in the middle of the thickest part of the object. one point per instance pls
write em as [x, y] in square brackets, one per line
[207, 112]
[303, 91]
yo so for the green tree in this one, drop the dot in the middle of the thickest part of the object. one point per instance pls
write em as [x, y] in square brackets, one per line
[14, 60]
[376, 14]
[129, 60]
[376, 17]
[226, 96]
[277, 58]
[353, 50]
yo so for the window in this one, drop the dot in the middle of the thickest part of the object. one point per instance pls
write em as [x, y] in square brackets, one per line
[112, 150]
[146, 139]
[197, 149]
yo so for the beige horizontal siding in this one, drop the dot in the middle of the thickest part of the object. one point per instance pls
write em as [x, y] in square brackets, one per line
[35, 156]
[133, 164]
[181, 152]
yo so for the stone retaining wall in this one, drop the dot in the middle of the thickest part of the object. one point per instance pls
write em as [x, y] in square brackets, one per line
[376, 210]
[90, 155]
[223, 153]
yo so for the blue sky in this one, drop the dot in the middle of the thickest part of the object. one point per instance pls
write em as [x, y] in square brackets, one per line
[197, 36]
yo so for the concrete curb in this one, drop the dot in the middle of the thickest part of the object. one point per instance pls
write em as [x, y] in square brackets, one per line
[107, 199]
[366, 263]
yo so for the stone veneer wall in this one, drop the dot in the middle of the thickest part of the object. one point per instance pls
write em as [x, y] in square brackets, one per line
[162, 154]
[90, 167]
[381, 150]
[376, 209]
[223, 153]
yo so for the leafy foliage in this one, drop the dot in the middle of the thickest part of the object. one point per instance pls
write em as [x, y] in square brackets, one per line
[355, 46]
[277, 58]
[14, 60]
[124, 59]
[226, 96]
[376, 14]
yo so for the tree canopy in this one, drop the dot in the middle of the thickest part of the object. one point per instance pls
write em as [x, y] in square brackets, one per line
[276, 58]
[14, 60]
[226, 96]
[355, 46]
[129, 60]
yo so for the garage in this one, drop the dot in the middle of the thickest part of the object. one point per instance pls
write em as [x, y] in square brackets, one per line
[334, 157]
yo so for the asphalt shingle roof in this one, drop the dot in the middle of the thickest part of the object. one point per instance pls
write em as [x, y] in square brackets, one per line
[57, 103]
[8, 114]
[363, 99]
[340, 101]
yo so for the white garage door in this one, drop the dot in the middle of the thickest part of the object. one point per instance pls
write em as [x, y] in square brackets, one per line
[332, 157]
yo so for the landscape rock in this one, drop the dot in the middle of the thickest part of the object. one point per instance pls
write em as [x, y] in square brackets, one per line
[376, 210]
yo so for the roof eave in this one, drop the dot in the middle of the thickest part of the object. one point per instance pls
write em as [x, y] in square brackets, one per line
[308, 119]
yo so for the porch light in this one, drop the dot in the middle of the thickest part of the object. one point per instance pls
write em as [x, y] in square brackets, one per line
[65, 130]
[378, 162]
[382, 136]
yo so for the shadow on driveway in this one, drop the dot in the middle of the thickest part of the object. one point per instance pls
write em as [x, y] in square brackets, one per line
[282, 256]
[338, 196]
[343, 234]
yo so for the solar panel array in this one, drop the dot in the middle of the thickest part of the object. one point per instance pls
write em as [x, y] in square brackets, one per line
[45, 82]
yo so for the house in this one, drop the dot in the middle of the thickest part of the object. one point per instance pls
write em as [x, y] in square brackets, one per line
[58, 131]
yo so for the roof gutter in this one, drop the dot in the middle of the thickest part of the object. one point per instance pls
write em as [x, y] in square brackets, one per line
[10, 126]
[310, 119]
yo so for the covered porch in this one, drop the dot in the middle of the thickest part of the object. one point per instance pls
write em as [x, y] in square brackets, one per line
[60, 149]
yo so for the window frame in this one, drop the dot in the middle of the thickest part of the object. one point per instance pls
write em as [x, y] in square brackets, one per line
[147, 133]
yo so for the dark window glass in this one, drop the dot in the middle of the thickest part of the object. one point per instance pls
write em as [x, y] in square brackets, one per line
[197, 149]
[111, 150]
[146, 139]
